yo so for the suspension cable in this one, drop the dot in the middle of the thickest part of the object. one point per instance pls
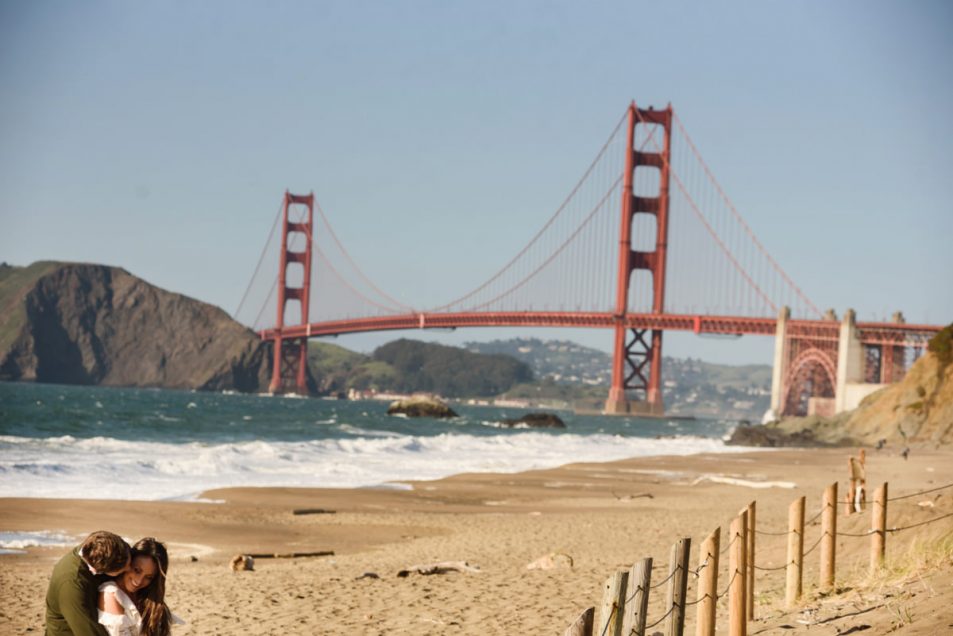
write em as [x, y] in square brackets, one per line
[357, 269]
[261, 259]
[548, 223]
[740, 219]
[555, 253]
[707, 225]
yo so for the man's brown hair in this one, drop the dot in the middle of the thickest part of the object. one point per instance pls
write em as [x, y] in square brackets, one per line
[105, 551]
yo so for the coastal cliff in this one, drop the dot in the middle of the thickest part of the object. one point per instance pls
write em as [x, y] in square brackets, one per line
[77, 323]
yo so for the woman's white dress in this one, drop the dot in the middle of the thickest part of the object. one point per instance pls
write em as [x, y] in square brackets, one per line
[127, 623]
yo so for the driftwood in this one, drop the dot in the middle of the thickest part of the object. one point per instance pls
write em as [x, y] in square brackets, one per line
[312, 511]
[439, 568]
[647, 495]
[291, 555]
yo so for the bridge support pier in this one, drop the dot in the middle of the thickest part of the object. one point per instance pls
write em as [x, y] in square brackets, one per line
[780, 369]
[637, 356]
[850, 360]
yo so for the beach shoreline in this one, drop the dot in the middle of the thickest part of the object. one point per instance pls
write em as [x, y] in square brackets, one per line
[602, 515]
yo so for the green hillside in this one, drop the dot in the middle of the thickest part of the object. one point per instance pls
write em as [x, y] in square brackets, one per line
[557, 373]
[15, 283]
[408, 366]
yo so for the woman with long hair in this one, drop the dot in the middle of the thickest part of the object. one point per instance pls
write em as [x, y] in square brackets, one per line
[133, 604]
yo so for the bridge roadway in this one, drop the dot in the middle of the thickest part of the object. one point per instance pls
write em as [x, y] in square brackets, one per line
[872, 332]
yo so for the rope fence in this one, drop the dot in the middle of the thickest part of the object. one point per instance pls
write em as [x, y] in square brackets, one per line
[921, 493]
[624, 607]
[780, 567]
[922, 523]
[730, 543]
[814, 547]
[728, 587]
[665, 580]
[666, 615]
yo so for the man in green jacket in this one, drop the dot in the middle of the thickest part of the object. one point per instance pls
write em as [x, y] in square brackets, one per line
[74, 587]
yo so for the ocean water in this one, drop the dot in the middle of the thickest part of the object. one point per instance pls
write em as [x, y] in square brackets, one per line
[151, 444]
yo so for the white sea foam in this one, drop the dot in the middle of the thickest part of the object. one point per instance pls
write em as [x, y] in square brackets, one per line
[357, 430]
[17, 542]
[109, 468]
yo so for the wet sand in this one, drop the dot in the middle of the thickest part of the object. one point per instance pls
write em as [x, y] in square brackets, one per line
[604, 516]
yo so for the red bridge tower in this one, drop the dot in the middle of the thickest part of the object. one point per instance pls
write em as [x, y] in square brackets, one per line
[289, 371]
[630, 357]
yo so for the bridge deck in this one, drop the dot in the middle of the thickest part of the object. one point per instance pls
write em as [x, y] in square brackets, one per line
[883, 333]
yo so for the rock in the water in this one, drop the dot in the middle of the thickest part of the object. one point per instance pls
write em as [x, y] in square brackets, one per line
[773, 437]
[420, 406]
[536, 420]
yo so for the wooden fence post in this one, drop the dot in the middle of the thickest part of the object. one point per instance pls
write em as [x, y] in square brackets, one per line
[737, 572]
[707, 584]
[749, 557]
[878, 528]
[829, 537]
[637, 598]
[677, 585]
[582, 626]
[609, 618]
[795, 552]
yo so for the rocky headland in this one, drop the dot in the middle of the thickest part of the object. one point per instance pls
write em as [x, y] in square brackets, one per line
[77, 323]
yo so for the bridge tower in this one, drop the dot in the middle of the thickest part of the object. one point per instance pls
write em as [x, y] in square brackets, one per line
[632, 356]
[290, 366]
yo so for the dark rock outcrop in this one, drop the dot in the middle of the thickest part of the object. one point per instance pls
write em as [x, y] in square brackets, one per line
[773, 437]
[536, 420]
[76, 323]
[420, 406]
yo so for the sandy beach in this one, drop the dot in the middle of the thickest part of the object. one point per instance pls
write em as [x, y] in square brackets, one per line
[604, 516]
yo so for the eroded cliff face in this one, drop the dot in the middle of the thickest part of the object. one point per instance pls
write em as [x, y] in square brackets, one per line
[918, 409]
[92, 324]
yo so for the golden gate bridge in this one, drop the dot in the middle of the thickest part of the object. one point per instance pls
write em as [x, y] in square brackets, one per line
[647, 241]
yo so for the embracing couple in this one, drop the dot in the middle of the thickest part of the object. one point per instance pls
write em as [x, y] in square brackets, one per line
[105, 588]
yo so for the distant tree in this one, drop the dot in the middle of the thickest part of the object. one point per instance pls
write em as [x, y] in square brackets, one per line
[449, 371]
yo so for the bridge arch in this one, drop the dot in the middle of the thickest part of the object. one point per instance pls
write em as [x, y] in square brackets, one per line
[811, 374]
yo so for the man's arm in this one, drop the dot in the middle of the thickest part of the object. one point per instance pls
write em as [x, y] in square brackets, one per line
[77, 613]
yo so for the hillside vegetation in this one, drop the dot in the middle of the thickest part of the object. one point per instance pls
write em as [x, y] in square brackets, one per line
[556, 373]
[571, 373]
[408, 366]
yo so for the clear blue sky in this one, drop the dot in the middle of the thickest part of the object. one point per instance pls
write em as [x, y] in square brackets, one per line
[159, 137]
